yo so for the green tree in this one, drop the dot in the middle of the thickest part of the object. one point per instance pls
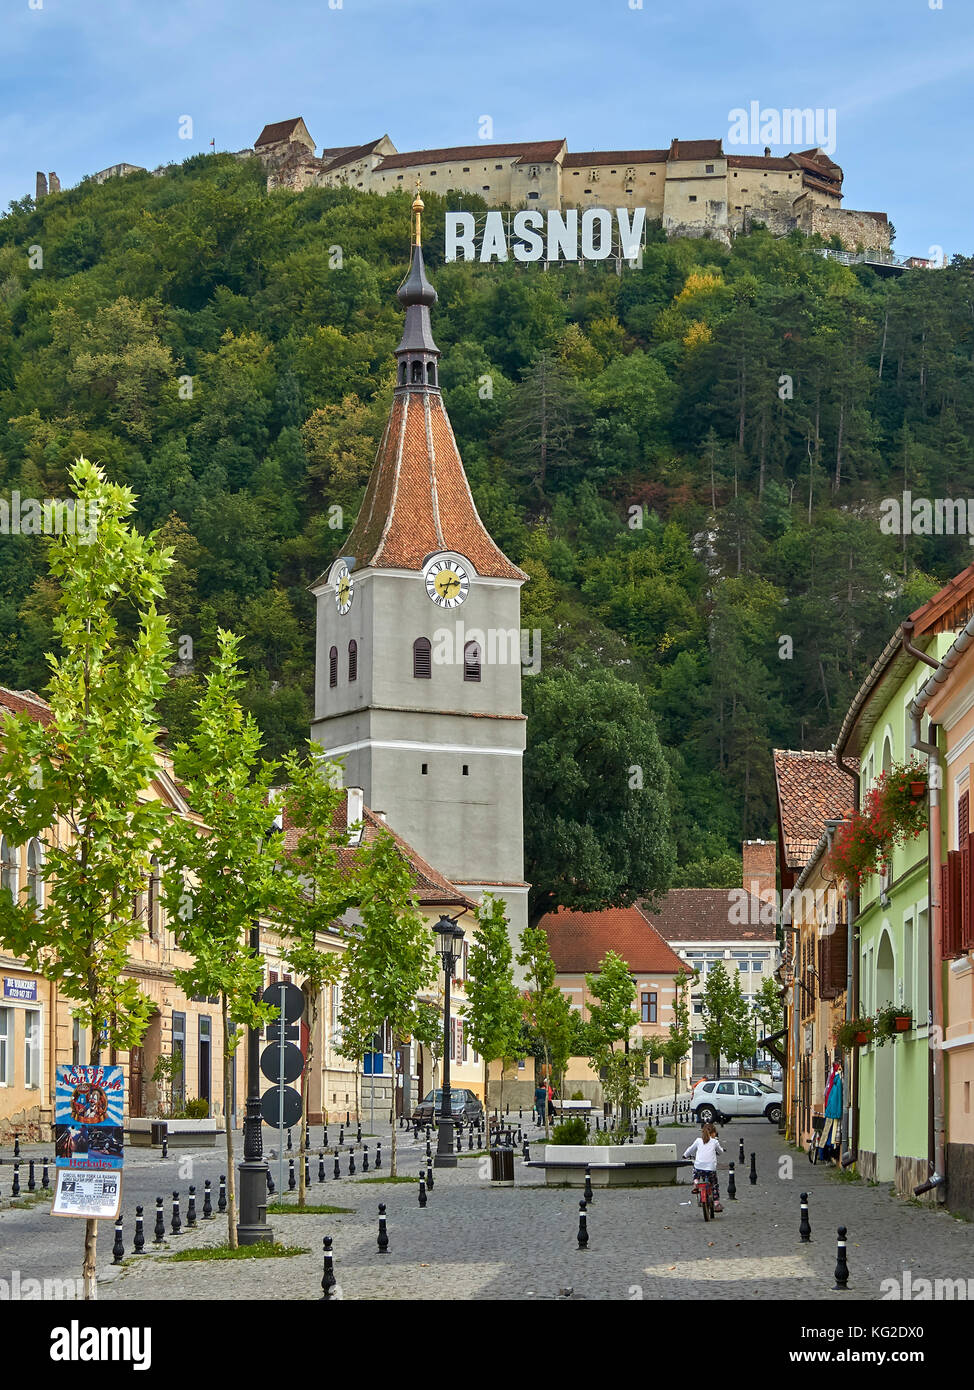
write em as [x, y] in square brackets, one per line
[547, 1010]
[389, 957]
[611, 1022]
[89, 769]
[679, 1039]
[717, 1010]
[494, 1010]
[739, 1025]
[220, 875]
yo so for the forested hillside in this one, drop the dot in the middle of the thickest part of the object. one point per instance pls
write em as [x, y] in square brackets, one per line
[658, 396]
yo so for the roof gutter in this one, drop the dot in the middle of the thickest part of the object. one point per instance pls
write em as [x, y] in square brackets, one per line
[935, 1003]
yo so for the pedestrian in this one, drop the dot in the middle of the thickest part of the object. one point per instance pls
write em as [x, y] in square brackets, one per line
[830, 1140]
[704, 1153]
[551, 1101]
[540, 1100]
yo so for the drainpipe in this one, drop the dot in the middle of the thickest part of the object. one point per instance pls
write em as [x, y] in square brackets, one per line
[850, 1104]
[935, 1007]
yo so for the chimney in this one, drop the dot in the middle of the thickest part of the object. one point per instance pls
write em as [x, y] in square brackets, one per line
[355, 803]
[54, 183]
[760, 861]
[40, 187]
[380, 815]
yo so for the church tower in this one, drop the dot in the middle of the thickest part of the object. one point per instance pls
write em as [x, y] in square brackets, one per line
[417, 662]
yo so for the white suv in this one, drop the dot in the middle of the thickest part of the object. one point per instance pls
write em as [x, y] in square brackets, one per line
[724, 1100]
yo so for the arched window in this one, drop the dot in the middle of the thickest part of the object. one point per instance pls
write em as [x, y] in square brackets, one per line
[422, 659]
[353, 660]
[431, 373]
[9, 867]
[418, 372]
[471, 661]
[402, 374]
[35, 876]
[333, 667]
[154, 916]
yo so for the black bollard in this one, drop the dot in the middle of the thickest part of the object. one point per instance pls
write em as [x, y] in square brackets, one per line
[221, 1204]
[16, 1147]
[429, 1177]
[45, 1176]
[841, 1266]
[31, 1180]
[740, 1156]
[191, 1209]
[270, 1183]
[348, 1119]
[177, 1224]
[753, 1174]
[328, 1280]
[804, 1227]
[731, 1184]
[378, 1155]
[290, 1146]
[341, 1137]
[118, 1248]
[291, 1183]
[383, 1239]
[159, 1234]
[358, 1135]
[207, 1202]
[527, 1152]
[307, 1171]
[15, 1190]
[520, 1112]
[138, 1244]
[365, 1158]
[582, 1227]
[338, 1171]
[429, 1151]
[598, 1127]
[422, 1191]
[324, 1142]
[589, 1195]
[469, 1141]
[459, 1141]
[165, 1146]
[351, 1163]
[321, 1166]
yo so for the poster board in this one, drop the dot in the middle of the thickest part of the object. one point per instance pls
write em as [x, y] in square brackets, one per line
[89, 1104]
[91, 1193]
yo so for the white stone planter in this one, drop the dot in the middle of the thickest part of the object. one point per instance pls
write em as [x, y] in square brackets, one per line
[181, 1134]
[612, 1165]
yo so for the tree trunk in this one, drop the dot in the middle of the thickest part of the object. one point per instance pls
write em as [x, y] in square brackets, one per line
[89, 1273]
[882, 350]
[311, 1009]
[394, 1146]
[838, 446]
[231, 1174]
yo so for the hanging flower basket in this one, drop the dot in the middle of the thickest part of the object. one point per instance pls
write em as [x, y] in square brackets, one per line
[890, 1020]
[853, 1032]
[902, 793]
[918, 789]
[860, 846]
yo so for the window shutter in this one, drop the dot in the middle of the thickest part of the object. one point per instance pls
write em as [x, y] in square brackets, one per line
[333, 667]
[966, 941]
[963, 818]
[422, 659]
[964, 915]
[950, 907]
[353, 660]
[471, 661]
[838, 947]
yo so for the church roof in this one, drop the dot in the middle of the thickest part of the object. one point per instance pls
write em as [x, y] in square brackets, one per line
[579, 940]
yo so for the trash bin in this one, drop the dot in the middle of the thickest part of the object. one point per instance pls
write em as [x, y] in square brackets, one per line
[502, 1165]
[159, 1131]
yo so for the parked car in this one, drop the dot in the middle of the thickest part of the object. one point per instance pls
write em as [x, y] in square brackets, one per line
[724, 1100]
[464, 1105]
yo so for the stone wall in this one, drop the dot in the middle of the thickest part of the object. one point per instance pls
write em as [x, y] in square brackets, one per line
[960, 1180]
[854, 228]
[34, 1124]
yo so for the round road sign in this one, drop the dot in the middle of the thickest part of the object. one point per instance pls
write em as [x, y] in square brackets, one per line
[288, 998]
[270, 1062]
[292, 1107]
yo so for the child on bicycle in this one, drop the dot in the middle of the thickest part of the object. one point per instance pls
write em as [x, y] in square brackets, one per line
[704, 1153]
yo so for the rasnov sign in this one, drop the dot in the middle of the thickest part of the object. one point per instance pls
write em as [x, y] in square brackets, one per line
[555, 236]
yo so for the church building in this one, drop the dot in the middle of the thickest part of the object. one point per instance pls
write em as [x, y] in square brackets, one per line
[417, 665]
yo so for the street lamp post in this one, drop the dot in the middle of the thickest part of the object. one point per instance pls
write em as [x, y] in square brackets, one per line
[448, 939]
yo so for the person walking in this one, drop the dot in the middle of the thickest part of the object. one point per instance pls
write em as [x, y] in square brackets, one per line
[830, 1140]
[551, 1101]
[541, 1100]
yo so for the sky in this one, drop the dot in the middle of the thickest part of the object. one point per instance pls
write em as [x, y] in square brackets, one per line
[85, 84]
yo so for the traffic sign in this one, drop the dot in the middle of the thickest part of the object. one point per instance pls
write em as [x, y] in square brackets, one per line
[273, 1032]
[286, 997]
[270, 1107]
[270, 1062]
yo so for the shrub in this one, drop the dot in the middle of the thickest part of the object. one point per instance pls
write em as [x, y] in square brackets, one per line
[577, 1095]
[884, 1024]
[609, 1136]
[845, 1033]
[571, 1131]
[197, 1109]
[650, 1136]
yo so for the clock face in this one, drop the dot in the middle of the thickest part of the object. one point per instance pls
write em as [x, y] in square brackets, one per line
[343, 590]
[447, 582]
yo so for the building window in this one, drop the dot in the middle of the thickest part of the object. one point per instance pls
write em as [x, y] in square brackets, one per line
[498, 166]
[693, 197]
[77, 1042]
[32, 1049]
[179, 1050]
[709, 169]
[463, 1041]
[424, 769]
[649, 1006]
[418, 373]
[471, 661]
[465, 772]
[6, 1047]
[485, 188]
[431, 373]
[9, 867]
[353, 660]
[534, 195]
[154, 896]
[422, 659]
[333, 667]
[35, 878]
[203, 1075]
[466, 168]
[402, 374]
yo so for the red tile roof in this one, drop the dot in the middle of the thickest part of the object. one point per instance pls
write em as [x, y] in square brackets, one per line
[811, 790]
[349, 156]
[277, 130]
[579, 940]
[25, 702]
[595, 157]
[418, 499]
[532, 152]
[696, 149]
[704, 914]
[760, 161]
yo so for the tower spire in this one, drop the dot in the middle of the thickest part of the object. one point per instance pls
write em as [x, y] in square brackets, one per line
[417, 352]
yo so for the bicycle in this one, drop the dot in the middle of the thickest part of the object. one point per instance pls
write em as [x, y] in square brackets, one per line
[703, 1183]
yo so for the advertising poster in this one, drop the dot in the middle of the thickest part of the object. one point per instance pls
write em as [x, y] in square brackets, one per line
[88, 1107]
[88, 1192]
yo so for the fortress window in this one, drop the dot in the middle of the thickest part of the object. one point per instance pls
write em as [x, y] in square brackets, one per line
[693, 197]
[431, 373]
[353, 660]
[466, 168]
[471, 661]
[422, 659]
[417, 371]
[402, 374]
[709, 169]
[498, 166]
[399, 178]
[424, 769]
[534, 195]
[485, 188]
[333, 667]
[466, 770]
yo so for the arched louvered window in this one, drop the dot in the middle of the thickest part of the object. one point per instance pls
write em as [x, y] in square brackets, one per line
[353, 660]
[431, 373]
[35, 875]
[418, 372]
[333, 667]
[9, 867]
[471, 661]
[402, 374]
[422, 659]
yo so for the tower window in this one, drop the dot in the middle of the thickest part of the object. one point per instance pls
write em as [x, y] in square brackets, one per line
[353, 660]
[417, 371]
[424, 769]
[333, 667]
[402, 373]
[466, 770]
[422, 659]
[431, 373]
[471, 661]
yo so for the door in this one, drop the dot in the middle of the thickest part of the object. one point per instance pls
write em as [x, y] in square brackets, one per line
[751, 1099]
[725, 1097]
[204, 1067]
[135, 1082]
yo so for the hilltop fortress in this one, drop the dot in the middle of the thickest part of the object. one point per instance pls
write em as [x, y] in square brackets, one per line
[692, 187]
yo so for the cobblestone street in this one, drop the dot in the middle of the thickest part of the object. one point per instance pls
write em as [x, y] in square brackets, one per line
[478, 1240]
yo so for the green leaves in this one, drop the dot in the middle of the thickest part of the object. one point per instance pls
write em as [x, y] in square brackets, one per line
[495, 1009]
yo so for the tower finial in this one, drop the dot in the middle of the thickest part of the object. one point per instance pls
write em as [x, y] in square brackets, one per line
[418, 206]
